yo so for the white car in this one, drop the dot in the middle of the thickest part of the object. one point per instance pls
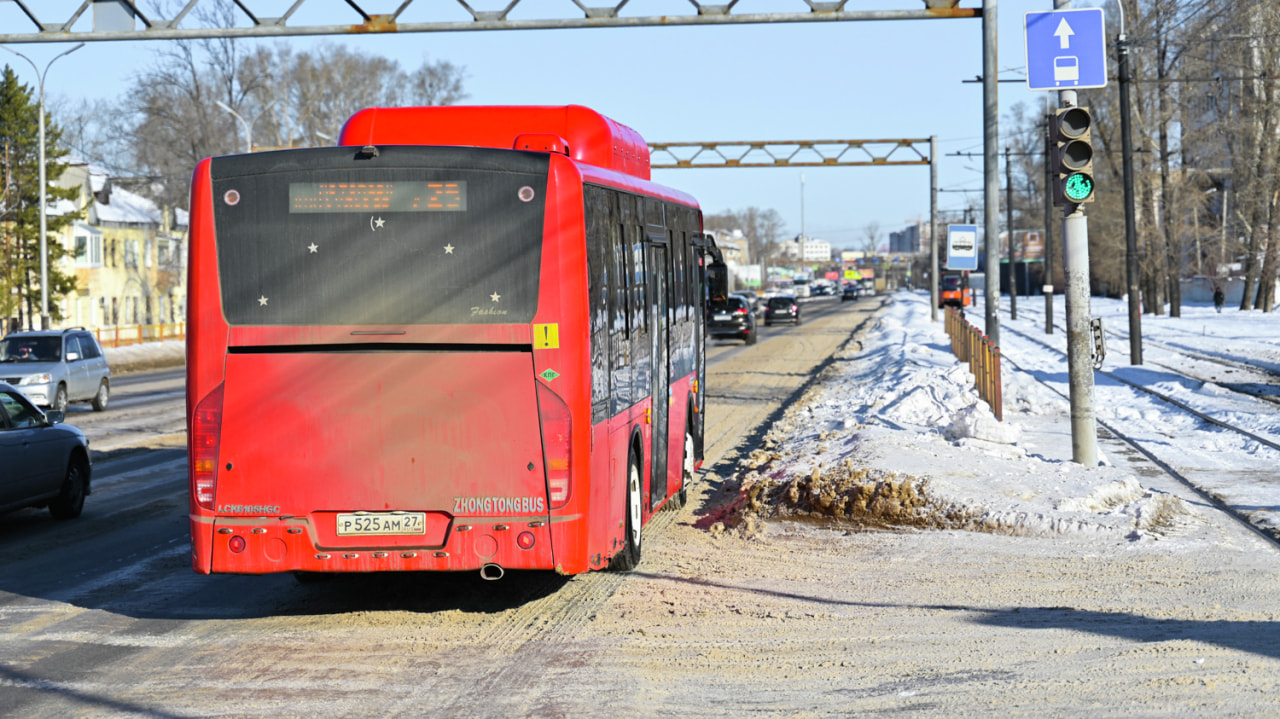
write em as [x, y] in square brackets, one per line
[55, 367]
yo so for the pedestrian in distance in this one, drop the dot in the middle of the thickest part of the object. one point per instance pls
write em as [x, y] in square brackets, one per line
[1219, 298]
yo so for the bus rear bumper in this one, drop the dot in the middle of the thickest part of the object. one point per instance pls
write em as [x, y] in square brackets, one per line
[264, 545]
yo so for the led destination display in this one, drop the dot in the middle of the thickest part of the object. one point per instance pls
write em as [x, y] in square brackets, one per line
[405, 196]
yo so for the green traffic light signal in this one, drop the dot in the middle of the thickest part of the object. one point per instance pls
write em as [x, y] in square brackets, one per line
[1078, 187]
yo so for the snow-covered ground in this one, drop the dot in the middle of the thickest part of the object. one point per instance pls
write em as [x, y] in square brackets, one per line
[146, 355]
[895, 431]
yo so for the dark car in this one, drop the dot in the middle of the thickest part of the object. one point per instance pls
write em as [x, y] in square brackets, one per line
[782, 308]
[753, 300]
[43, 463]
[850, 292]
[54, 367]
[731, 317]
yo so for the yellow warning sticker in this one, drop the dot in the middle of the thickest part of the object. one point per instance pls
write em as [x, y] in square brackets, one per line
[546, 337]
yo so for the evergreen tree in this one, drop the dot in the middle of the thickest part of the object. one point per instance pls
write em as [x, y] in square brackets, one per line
[20, 205]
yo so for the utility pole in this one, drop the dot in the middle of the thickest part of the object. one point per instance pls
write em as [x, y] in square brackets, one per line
[1048, 224]
[1008, 214]
[991, 167]
[933, 228]
[1133, 273]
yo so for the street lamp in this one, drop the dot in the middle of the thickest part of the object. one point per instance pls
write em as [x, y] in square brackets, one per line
[247, 124]
[44, 200]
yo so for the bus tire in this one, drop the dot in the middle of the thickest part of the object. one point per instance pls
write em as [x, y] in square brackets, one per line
[629, 558]
[679, 499]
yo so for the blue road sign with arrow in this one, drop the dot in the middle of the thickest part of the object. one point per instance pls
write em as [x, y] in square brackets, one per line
[1066, 49]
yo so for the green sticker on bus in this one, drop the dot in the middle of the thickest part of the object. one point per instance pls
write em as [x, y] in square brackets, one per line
[549, 374]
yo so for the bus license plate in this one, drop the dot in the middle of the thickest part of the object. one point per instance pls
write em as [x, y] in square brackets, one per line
[381, 523]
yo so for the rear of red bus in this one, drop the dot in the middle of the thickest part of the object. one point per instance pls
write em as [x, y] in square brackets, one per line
[362, 390]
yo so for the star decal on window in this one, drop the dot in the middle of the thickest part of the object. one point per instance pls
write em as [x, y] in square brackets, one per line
[495, 296]
[313, 248]
[448, 249]
[262, 301]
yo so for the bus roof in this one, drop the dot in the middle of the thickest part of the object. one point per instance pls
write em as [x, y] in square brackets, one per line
[579, 132]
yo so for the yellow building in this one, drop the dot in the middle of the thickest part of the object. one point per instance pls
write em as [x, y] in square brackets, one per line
[127, 255]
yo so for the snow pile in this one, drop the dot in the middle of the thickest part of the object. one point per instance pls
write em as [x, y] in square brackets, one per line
[894, 435]
[146, 355]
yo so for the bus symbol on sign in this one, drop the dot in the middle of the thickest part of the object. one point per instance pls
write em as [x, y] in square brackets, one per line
[962, 246]
[1066, 69]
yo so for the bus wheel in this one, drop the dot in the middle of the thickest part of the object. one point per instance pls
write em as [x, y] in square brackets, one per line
[679, 499]
[629, 558]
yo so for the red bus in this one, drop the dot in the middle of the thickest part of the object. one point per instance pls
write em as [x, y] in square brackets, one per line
[465, 338]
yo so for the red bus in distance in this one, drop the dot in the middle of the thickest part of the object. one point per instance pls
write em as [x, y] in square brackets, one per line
[465, 338]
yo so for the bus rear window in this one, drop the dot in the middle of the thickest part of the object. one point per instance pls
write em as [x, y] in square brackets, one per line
[415, 235]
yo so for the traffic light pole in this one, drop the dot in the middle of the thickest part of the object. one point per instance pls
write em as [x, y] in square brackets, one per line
[1075, 248]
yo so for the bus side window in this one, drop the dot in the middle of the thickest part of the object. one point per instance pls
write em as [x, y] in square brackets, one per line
[596, 211]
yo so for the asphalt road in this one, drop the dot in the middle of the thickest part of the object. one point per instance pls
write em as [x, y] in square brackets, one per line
[102, 616]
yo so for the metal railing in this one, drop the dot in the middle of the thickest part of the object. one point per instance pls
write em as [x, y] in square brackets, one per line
[125, 335]
[970, 345]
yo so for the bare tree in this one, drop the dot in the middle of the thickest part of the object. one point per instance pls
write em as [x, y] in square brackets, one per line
[171, 119]
[762, 228]
[871, 239]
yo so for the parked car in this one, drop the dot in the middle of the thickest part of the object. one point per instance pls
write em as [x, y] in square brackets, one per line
[46, 463]
[783, 308]
[731, 317]
[54, 367]
[753, 301]
[850, 292]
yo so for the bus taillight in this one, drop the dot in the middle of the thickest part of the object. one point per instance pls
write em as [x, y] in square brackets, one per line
[206, 431]
[557, 448]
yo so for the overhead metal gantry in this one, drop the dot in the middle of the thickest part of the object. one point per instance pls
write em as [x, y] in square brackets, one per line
[121, 20]
[788, 153]
[106, 20]
[814, 153]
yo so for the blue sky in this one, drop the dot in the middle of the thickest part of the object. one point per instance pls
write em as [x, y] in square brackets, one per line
[785, 81]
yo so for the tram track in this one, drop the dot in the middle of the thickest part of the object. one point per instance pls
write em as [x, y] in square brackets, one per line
[1272, 396]
[1272, 536]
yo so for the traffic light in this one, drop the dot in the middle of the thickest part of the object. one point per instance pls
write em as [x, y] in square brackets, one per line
[1073, 156]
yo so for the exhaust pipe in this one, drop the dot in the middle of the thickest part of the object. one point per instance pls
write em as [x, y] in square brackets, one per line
[491, 572]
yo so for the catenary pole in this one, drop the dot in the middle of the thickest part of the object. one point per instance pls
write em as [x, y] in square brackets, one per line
[1048, 224]
[991, 168]
[933, 228]
[1132, 272]
[1008, 222]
